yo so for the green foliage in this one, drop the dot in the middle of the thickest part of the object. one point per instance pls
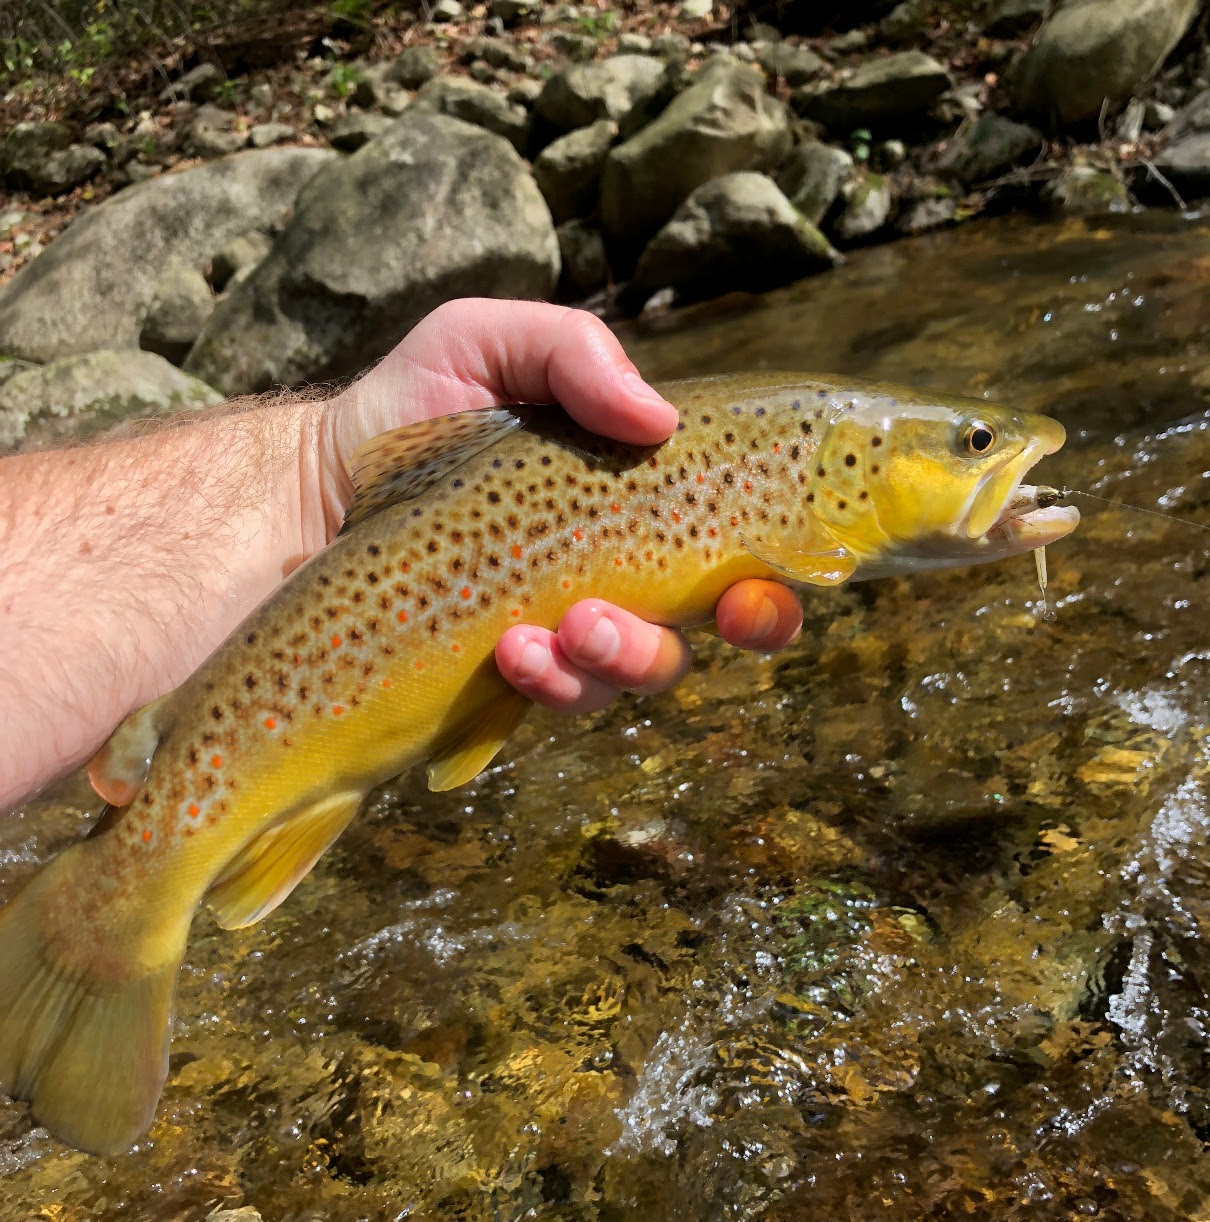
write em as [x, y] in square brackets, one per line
[861, 145]
[598, 25]
[343, 79]
[351, 10]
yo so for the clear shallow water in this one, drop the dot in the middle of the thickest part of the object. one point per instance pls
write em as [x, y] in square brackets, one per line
[909, 921]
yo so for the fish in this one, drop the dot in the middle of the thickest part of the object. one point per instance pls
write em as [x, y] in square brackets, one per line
[377, 655]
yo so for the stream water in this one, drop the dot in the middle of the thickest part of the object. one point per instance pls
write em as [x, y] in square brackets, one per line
[910, 921]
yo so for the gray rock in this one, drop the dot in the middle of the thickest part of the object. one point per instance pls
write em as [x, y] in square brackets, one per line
[881, 92]
[634, 44]
[199, 84]
[794, 65]
[1084, 190]
[213, 133]
[446, 10]
[525, 92]
[178, 312]
[695, 10]
[238, 256]
[262, 135]
[736, 232]
[1186, 163]
[82, 395]
[412, 68]
[577, 47]
[812, 178]
[1193, 117]
[608, 89]
[483, 72]
[27, 147]
[850, 42]
[10, 367]
[1093, 53]
[568, 172]
[724, 121]
[671, 46]
[986, 147]
[374, 88]
[93, 286]
[867, 208]
[474, 103]
[1012, 18]
[66, 169]
[498, 52]
[356, 128]
[431, 210]
[925, 204]
[906, 22]
[585, 265]
[760, 31]
[104, 136]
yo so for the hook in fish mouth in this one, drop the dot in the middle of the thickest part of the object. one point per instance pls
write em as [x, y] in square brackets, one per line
[1032, 517]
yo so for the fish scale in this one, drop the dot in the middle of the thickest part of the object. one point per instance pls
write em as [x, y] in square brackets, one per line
[378, 654]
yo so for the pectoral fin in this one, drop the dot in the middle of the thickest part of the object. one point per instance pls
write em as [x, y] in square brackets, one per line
[118, 770]
[476, 746]
[827, 567]
[264, 872]
[405, 462]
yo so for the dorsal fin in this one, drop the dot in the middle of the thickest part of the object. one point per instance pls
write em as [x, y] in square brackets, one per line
[118, 770]
[406, 462]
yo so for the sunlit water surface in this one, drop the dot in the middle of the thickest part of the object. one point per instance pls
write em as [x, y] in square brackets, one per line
[907, 922]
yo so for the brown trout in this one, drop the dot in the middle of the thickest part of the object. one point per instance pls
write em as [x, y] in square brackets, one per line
[378, 655]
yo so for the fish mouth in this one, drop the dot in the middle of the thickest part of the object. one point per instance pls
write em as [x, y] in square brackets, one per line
[1032, 518]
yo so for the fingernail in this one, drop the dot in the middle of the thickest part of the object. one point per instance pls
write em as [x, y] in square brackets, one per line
[641, 390]
[532, 661]
[602, 642]
[765, 620]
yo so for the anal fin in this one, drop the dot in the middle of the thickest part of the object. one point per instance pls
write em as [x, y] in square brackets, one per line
[264, 872]
[465, 756]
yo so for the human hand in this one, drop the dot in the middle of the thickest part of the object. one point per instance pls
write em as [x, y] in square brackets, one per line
[477, 353]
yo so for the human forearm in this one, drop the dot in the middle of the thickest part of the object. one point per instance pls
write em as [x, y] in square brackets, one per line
[123, 564]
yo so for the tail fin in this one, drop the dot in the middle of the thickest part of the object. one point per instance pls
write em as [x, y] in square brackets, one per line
[83, 1038]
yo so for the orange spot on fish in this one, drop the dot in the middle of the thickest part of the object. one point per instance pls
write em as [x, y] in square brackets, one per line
[577, 535]
[455, 648]
[515, 611]
[419, 664]
[676, 517]
[777, 447]
[734, 520]
[747, 485]
[270, 723]
[297, 659]
[615, 507]
[336, 642]
[386, 683]
[701, 479]
[337, 709]
[516, 551]
[216, 761]
[566, 584]
[194, 810]
[402, 617]
[618, 561]
[649, 555]
[465, 591]
[405, 567]
[147, 836]
[712, 532]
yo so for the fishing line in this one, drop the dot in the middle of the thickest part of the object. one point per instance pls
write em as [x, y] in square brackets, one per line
[1155, 513]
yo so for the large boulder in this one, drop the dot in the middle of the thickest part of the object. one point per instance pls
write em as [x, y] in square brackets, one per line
[880, 93]
[1095, 53]
[93, 286]
[606, 89]
[568, 172]
[724, 122]
[81, 395]
[431, 210]
[736, 232]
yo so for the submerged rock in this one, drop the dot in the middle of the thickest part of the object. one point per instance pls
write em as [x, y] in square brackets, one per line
[568, 172]
[1087, 191]
[81, 395]
[1095, 53]
[94, 285]
[880, 92]
[724, 121]
[431, 210]
[736, 232]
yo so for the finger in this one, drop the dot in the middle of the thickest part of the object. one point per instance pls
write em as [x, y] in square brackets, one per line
[758, 614]
[534, 352]
[532, 661]
[621, 649]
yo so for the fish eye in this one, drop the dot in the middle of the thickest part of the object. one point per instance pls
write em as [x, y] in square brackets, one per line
[979, 437]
